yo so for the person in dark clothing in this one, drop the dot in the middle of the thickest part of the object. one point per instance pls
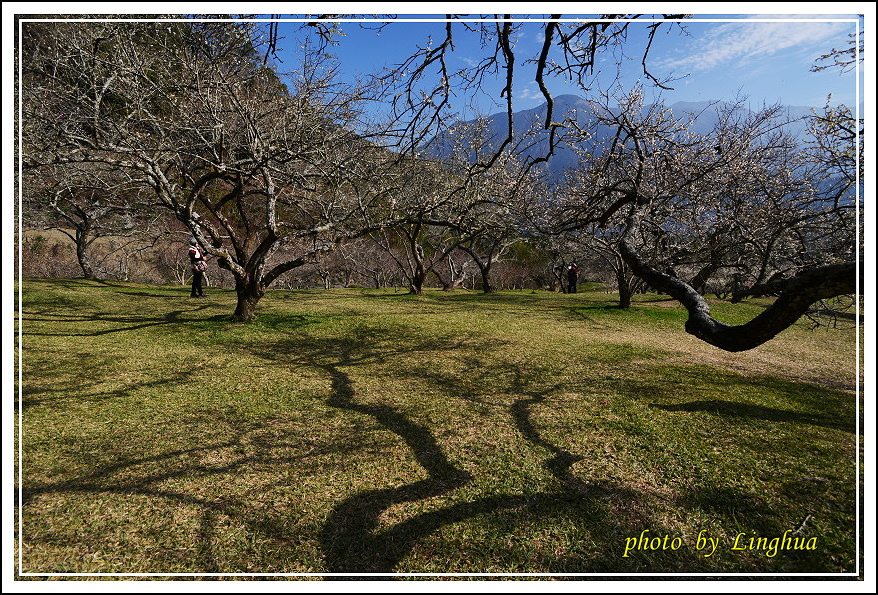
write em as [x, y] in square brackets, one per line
[196, 257]
[572, 273]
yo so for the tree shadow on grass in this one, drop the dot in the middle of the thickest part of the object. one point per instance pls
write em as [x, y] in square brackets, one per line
[670, 388]
[124, 322]
[350, 539]
[353, 538]
[87, 389]
[584, 313]
[124, 287]
[757, 412]
[352, 542]
[164, 474]
[177, 295]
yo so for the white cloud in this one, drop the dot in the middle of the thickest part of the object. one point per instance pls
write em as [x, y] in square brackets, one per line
[743, 42]
[529, 93]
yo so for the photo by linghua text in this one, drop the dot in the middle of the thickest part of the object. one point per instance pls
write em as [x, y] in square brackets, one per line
[707, 545]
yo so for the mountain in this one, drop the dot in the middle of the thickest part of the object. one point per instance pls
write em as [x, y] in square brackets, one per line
[578, 108]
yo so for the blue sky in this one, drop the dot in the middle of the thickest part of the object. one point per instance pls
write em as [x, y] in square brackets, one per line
[766, 57]
[759, 52]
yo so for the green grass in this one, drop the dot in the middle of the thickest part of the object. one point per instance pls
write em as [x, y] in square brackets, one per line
[367, 431]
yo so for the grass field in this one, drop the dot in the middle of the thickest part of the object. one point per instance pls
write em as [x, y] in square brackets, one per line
[363, 431]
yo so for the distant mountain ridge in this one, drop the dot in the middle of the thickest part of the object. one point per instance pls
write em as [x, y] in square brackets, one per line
[564, 105]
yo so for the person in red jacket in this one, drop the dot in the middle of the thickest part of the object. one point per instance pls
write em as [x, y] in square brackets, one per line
[196, 257]
[572, 273]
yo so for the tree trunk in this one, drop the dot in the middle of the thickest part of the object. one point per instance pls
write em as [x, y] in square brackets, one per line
[626, 289]
[84, 263]
[625, 297]
[249, 295]
[699, 281]
[420, 273]
[486, 279]
[81, 256]
[484, 268]
[558, 276]
[417, 284]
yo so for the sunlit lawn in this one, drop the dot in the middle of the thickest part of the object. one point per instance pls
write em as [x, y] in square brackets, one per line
[367, 431]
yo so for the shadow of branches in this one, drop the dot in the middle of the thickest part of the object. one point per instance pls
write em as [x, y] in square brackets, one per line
[122, 323]
[757, 412]
[354, 537]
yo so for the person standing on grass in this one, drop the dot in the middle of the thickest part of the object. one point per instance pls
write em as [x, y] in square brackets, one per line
[196, 257]
[572, 273]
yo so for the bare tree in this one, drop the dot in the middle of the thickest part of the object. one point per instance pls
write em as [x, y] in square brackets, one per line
[454, 271]
[188, 110]
[489, 207]
[486, 249]
[746, 183]
[604, 245]
[86, 202]
[425, 86]
[373, 265]
[417, 248]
